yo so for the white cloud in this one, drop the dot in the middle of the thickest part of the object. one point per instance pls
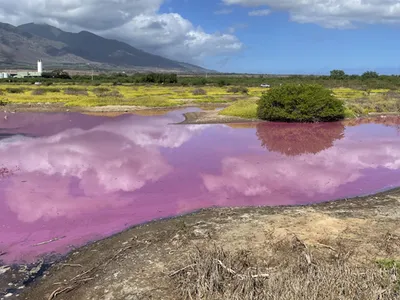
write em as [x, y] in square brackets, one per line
[89, 14]
[332, 13]
[175, 37]
[259, 13]
[136, 22]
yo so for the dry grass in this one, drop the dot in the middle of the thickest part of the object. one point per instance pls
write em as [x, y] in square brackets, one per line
[289, 269]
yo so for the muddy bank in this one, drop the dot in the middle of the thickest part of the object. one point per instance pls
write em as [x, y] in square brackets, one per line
[141, 263]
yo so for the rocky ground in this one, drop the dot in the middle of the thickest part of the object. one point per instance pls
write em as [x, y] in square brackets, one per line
[234, 254]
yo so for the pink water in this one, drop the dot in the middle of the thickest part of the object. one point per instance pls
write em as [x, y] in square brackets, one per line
[78, 178]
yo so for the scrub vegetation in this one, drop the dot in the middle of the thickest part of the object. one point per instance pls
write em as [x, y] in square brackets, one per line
[368, 93]
[300, 103]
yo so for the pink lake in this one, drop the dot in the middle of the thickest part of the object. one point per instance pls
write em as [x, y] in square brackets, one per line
[75, 178]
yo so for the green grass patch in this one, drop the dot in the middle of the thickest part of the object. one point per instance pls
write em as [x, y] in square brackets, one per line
[242, 108]
[389, 264]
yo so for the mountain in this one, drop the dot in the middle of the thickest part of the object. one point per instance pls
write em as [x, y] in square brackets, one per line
[24, 44]
[18, 48]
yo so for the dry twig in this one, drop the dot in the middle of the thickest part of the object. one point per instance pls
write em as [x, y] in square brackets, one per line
[59, 291]
[48, 242]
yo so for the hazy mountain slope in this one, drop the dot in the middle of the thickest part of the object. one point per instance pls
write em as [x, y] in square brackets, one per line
[107, 51]
[19, 48]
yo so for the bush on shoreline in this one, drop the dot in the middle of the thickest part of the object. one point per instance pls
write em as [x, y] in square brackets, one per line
[300, 103]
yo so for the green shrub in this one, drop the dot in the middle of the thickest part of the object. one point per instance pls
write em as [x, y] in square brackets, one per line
[198, 92]
[15, 90]
[235, 90]
[100, 90]
[110, 94]
[300, 103]
[53, 90]
[38, 92]
[76, 92]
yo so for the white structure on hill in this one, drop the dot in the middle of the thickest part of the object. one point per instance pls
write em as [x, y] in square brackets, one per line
[40, 67]
[25, 74]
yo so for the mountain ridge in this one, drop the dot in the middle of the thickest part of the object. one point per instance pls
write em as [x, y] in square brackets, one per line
[24, 44]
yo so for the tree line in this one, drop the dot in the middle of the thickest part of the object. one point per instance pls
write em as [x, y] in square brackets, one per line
[337, 78]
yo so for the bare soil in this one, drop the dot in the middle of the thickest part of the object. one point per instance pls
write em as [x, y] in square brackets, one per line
[235, 253]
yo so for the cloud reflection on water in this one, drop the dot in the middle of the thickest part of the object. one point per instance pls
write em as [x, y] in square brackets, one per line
[113, 157]
[312, 167]
[102, 175]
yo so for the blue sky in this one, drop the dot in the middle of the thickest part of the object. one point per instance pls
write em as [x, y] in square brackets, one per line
[276, 44]
[253, 36]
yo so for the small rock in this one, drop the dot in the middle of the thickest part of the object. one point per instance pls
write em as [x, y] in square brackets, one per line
[36, 269]
[8, 295]
[4, 269]
[200, 233]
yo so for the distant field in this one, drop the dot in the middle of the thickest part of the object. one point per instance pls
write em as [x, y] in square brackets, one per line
[243, 102]
[148, 96]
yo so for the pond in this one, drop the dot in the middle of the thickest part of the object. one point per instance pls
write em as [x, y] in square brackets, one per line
[68, 178]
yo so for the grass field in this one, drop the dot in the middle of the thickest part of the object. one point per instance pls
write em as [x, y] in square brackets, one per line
[243, 104]
[148, 96]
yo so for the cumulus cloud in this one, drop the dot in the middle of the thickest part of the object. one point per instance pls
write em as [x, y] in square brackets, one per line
[89, 14]
[259, 13]
[175, 37]
[332, 13]
[136, 22]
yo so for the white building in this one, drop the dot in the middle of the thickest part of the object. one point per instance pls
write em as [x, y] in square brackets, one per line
[40, 67]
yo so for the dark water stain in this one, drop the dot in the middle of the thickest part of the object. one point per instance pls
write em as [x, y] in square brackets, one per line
[78, 178]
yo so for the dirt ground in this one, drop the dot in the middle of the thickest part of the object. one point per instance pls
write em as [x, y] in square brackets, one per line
[141, 262]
